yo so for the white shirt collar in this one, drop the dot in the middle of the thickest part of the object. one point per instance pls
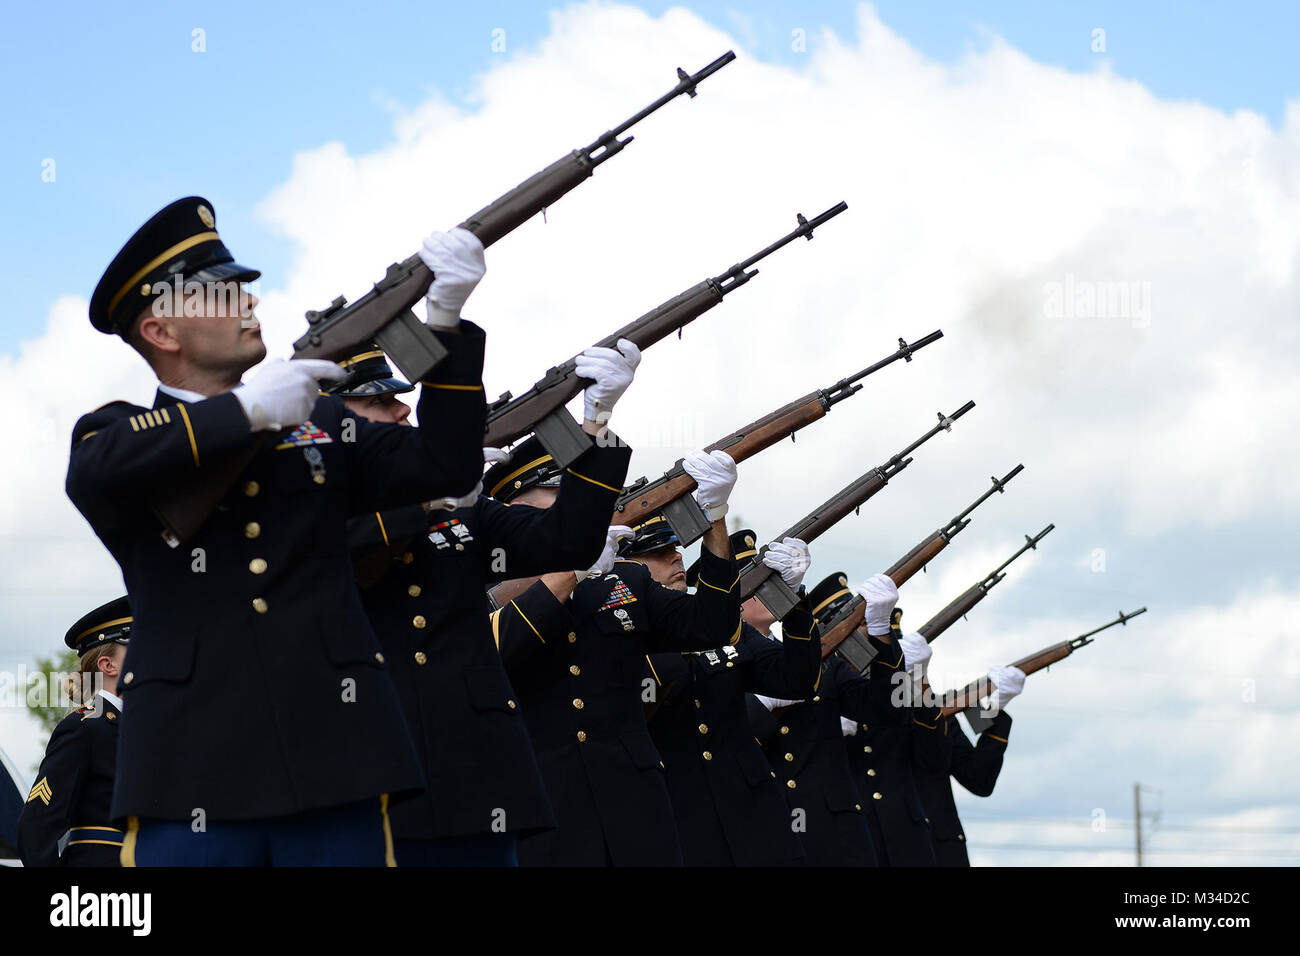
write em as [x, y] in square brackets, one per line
[185, 395]
[111, 698]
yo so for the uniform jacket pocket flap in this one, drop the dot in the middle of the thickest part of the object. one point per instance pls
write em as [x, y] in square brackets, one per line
[168, 658]
[489, 688]
[842, 801]
[349, 640]
[754, 765]
[641, 749]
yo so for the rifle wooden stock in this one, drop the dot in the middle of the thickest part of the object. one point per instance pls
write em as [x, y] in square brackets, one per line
[561, 383]
[917, 558]
[810, 528]
[740, 445]
[977, 690]
[952, 613]
[849, 620]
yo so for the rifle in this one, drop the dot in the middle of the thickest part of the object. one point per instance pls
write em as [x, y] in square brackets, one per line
[842, 633]
[757, 579]
[976, 690]
[670, 494]
[541, 408]
[383, 314]
[932, 628]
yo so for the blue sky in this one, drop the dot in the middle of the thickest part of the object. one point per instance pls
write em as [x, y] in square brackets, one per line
[133, 118]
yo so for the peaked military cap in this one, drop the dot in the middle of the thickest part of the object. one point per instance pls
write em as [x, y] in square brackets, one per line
[106, 624]
[649, 535]
[829, 596]
[368, 374]
[180, 240]
[744, 548]
[529, 466]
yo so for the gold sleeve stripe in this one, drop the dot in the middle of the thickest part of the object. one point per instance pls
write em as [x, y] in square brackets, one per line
[818, 682]
[127, 857]
[599, 484]
[653, 671]
[454, 388]
[165, 417]
[926, 726]
[995, 737]
[735, 638]
[796, 637]
[714, 586]
[382, 530]
[135, 424]
[528, 622]
[88, 434]
[189, 430]
[389, 858]
[495, 618]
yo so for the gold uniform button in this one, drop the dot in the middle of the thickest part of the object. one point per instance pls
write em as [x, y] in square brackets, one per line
[259, 605]
[257, 565]
[772, 774]
[817, 699]
[789, 758]
[110, 715]
[379, 658]
[572, 637]
[858, 807]
[128, 678]
[785, 730]
[577, 703]
[865, 727]
[251, 488]
[698, 705]
[252, 530]
[575, 670]
[704, 728]
[961, 836]
[511, 704]
[871, 773]
[318, 478]
[413, 590]
[707, 755]
[866, 749]
[418, 621]
[582, 736]
[877, 796]
[731, 663]
[408, 558]
[421, 658]
[791, 784]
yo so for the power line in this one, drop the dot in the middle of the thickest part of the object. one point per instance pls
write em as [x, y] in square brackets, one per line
[1084, 848]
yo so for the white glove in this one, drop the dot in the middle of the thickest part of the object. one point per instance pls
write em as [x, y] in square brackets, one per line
[490, 457]
[789, 558]
[610, 371]
[1007, 683]
[773, 702]
[916, 653]
[456, 260]
[605, 563]
[284, 393]
[848, 728]
[881, 595]
[715, 473]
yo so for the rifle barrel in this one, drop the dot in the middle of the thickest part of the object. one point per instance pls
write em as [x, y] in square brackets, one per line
[994, 576]
[846, 387]
[686, 83]
[1123, 618]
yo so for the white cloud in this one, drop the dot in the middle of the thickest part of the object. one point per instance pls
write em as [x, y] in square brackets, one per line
[971, 187]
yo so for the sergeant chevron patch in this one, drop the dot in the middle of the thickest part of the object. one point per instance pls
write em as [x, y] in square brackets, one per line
[42, 790]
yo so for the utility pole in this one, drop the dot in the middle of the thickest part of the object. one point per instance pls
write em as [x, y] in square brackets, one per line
[1137, 819]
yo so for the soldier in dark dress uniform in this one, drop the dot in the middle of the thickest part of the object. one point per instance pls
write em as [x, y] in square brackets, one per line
[66, 820]
[430, 609]
[881, 757]
[949, 755]
[804, 744]
[730, 809]
[263, 725]
[576, 656]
